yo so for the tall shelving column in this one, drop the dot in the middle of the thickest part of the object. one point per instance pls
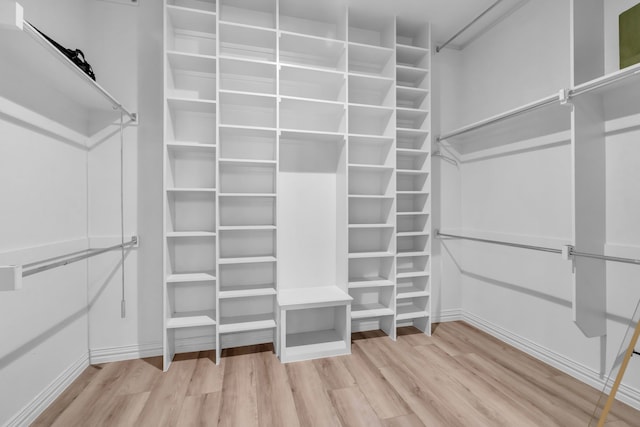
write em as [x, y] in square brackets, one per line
[247, 165]
[314, 306]
[189, 182]
[413, 174]
[371, 162]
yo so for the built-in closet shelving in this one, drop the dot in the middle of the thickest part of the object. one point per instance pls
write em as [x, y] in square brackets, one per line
[287, 177]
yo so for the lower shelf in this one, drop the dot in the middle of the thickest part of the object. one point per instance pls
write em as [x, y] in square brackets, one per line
[369, 282]
[314, 344]
[191, 320]
[365, 311]
[233, 324]
[409, 312]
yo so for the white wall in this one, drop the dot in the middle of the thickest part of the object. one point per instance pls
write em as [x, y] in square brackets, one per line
[524, 195]
[43, 214]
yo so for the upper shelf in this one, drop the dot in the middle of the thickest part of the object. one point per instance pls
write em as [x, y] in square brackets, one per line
[24, 47]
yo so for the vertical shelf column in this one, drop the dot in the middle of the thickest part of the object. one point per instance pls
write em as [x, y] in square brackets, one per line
[413, 174]
[189, 182]
[372, 180]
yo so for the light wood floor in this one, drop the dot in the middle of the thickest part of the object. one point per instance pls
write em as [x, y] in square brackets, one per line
[458, 377]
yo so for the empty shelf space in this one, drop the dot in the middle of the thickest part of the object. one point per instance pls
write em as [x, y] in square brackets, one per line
[370, 60]
[410, 291]
[370, 196]
[372, 168]
[369, 282]
[370, 255]
[191, 190]
[191, 319]
[246, 109]
[412, 56]
[314, 296]
[255, 13]
[247, 291]
[412, 77]
[411, 152]
[323, 22]
[306, 115]
[408, 273]
[269, 195]
[372, 29]
[411, 253]
[190, 19]
[192, 105]
[247, 260]
[246, 227]
[410, 311]
[369, 120]
[304, 82]
[411, 97]
[200, 5]
[308, 344]
[190, 234]
[367, 226]
[412, 233]
[246, 162]
[240, 41]
[413, 213]
[190, 146]
[233, 324]
[191, 278]
[363, 311]
[296, 49]
[247, 76]
[192, 62]
[370, 90]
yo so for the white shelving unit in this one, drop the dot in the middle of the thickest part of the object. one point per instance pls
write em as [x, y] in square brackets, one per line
[297, 175]
[413, 174]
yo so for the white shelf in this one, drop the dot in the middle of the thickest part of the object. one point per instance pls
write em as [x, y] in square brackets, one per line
[411, 253]
[192, 105]
[411, 172]
[192, 62]
[304, 82]
[367, 226]
[412, 56]
[234, 324]
[246, 227]
[370, 60]
[412, 193]
[411, 77]
[412, 152]
[411, 97]
[416, 213]
[190, 234]
[246, 260]
[189, 19]
[190, 146]
[316, 52]
[365, 311]
[372, 168]
[359, 255]
[370, 282]
[367, 90]
[243, 75]
[244, 41]
[307, 115]
[412, 233]
[403, 293]
[29, 51]
[191, 277]
[312, 297]
[247, 291]
[255, 13]
[403, 274]
[191, 190]
[410, 312]
[370, 196]
[191, 320]
[247, 162]
[314, 344]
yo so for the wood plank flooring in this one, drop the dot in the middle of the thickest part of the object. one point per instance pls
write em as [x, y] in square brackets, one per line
[458, 377]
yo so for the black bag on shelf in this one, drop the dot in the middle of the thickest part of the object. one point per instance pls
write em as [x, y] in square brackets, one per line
[75, 55]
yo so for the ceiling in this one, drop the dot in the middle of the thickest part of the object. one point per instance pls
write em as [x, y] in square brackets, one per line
[446, 16]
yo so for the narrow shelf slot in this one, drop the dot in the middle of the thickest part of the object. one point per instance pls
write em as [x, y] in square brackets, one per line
[410, 97]
[307, 115]
[248, 12]
[249, 144]
[247, 110]
[371, 29]
[370, 91]
[314, 84]
[412, 77]
[370, 60]
[247, 76]
[370, 151]
[191, 31]
[367, 120]
[314, 19]
[191, 320]
[191, 278]
[246, 42]
[412, 56]
[313, 52]
[233, 324]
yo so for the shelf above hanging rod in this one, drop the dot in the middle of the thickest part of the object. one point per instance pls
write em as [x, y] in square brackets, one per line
[567, 251]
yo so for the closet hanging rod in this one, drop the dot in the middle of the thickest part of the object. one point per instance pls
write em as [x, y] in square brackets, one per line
[605, 81]
[570, 252]
[500, 117]
[30, 29]
[89, 253]
[455, 36]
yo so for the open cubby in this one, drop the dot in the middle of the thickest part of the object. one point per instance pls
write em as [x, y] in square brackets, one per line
[370, 60]
[411, 97]
[371, 302]
[313, 18]
[371, 91]
[246, 42]
[190, 31]
[190, 169]
[247, 243]
[411, 182]
[412, 162]
[312, 52]
[371, 272]
[185, 126]
[249, 144]
[315, 84]
[241, 109]
[370, 121]
[370, 211]
[369, 29]
[247, 314]
[191, 77]
[412, 223]
[190, 256]
[412, 77]
[411, 119]
[413, 287]
[412, 33]
[191, 297]
[412, 308]
[190, 212]
[412, 266]
[370, 182]
[412, 140]
[247, 211]
[412, 202]
[407, 244]
[370, 240]
[412, 57]
[239, 278]
[249, 12]
[202, 5]
[252, 179]
[247, 76]
[370, 151]
[299, 114]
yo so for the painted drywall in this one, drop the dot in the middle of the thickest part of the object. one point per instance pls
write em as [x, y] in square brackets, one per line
[524, 195]
[44, 214]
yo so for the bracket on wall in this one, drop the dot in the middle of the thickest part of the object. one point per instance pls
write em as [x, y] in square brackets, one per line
[564, 95]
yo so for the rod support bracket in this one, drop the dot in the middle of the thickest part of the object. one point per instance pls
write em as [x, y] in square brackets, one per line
[10, 277]
[567, 252]
[565, 97]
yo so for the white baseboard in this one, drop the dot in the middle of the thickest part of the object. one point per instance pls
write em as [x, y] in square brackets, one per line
[448, 315]
[29, 413]
[126, 352]
[583, 373]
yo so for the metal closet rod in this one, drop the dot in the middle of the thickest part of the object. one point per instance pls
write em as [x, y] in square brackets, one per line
[455, 36]
[571, 250]
[89, 253]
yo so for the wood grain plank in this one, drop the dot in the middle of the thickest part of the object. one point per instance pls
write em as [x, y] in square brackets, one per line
[353, 408]
[207, 377]
[200, 410]
[239, 406]
[313, 405]
[333, 373]
[276, 406]
[410, 420]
